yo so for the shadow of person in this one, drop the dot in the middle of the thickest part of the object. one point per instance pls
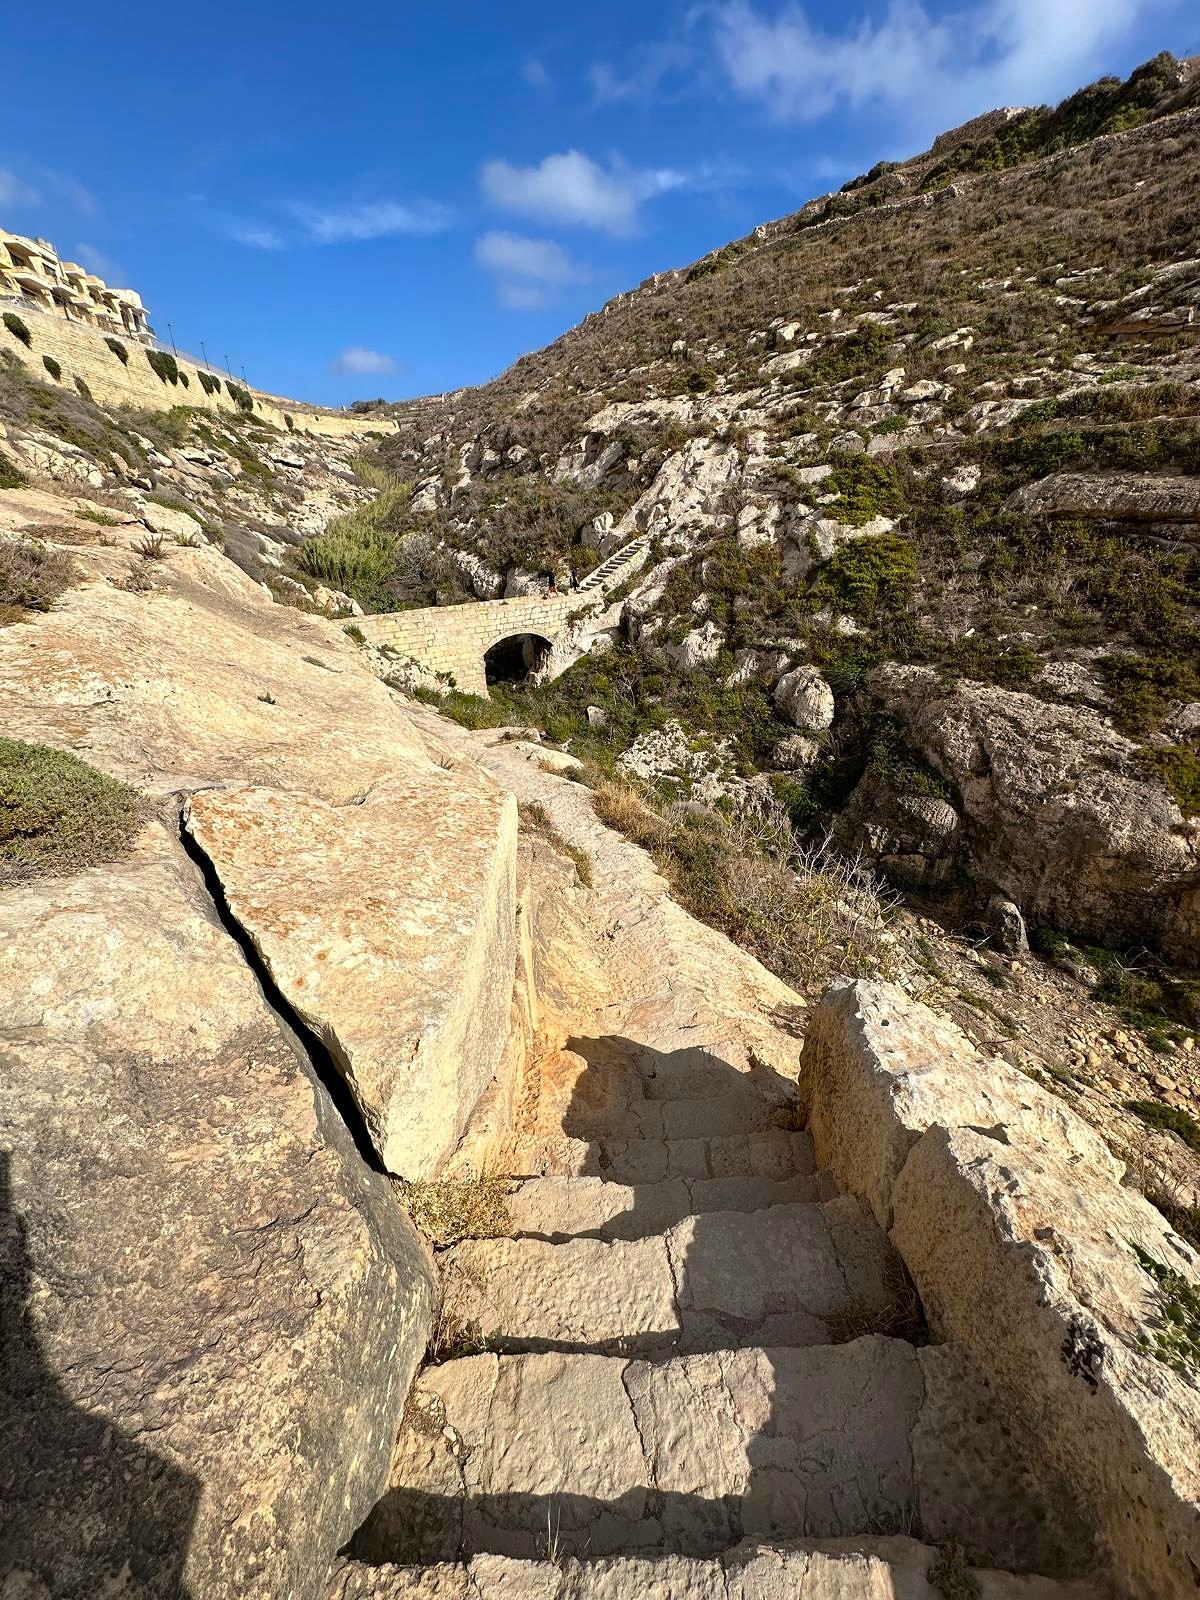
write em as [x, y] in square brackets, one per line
[85, 1511]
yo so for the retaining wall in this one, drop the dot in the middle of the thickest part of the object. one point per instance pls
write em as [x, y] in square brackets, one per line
[82, 352]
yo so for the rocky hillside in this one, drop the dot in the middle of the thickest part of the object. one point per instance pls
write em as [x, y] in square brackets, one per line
[921, 464]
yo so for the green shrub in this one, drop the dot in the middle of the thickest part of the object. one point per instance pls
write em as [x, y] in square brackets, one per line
[1168, 1118]
[1178, 770]
[1143, 687]
[53, 367]
[1176, 1339]
[81, 386]
[163, 365]
[208, 383]
[869, 575]
[867, 489]
[58, 816]
[10, 478]
[17, 328]
[241, 398]
[32, 576]
[118, 349]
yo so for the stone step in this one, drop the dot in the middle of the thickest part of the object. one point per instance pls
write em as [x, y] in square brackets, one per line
[598, 1455]
[894, 1568]
[570, 1208]
[776, 1153]
[794, 1275]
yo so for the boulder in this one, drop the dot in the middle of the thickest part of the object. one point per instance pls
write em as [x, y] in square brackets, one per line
[1057, 814]
[803, 698]
[388, 925]
[211, 1305]
[960, 483]
[795, 752]
[1008, 926]
[1028, 1250]
[696, 649]
[173, 522]
[1111, 496]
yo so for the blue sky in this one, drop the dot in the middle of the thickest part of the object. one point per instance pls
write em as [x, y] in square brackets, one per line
[396, 199]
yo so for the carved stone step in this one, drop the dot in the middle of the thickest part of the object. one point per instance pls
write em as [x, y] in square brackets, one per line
[771, 1153]
[793, 1275]
[564, 1208]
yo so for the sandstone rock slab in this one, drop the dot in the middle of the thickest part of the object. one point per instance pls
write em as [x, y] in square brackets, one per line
[389, 926]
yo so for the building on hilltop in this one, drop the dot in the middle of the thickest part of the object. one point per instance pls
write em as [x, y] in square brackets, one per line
[32, 271]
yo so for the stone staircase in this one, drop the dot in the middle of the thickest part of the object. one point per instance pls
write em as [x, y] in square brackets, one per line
[693, 1369]
[614, 569]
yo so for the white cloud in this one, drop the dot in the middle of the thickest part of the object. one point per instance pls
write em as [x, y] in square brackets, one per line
[931, 71]
[573, 190]
[360, 361]
[15, 192]
[374, 219]
[642, 76]
[253, 234]
[535, 74]
[529, 272]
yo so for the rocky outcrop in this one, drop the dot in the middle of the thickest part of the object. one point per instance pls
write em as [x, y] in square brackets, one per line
[1055, 814]
[1115, 496]
[211, 1305]
[390, 926]
[998, 1195]
[804, 699]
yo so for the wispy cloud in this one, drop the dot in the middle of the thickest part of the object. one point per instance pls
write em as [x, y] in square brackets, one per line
[15, 191]
[534, 73]
[372, 219]
[359, 361]
[101, 264]
[644, 76]
[41, 186]
[931, 71]
[529, 272]
[572, 190]
[254, 234]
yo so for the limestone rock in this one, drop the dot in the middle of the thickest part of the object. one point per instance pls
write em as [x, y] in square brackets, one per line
[173, 522]
[696, 649]
[388, 924]
[1056, 815]
[960, 483]
[211, 1306]
[804, 698]
[1117, 496]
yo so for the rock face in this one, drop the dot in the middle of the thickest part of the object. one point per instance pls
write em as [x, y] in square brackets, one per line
[211, 1306]
[390, 926]
[1117, 496]
[998, 1195]
[805, 699]
[1055, 815]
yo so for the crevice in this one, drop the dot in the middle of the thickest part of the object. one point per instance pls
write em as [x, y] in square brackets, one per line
[310, 1043]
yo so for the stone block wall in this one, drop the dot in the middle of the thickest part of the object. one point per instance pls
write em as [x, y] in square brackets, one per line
[81, 352]
[455, 639]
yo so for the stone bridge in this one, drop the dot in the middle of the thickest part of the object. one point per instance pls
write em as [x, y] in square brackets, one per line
[458, 639]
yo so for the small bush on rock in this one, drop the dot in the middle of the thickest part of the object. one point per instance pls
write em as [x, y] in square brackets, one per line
[1178, 770]
[119, 350]
[53, 367]
[58, 816]
[10, 478]
[32, 576]
[17, 328]
[449, 1210]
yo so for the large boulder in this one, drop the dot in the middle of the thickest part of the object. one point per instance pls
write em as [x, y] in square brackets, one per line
[1056, 814]
[390, 927]
[211, 1305]
[1027, 1248]
[1111, 496]
[805, 700]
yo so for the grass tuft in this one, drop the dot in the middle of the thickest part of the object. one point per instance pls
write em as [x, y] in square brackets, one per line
[32, 576]
[58, 815]
[447, 1210]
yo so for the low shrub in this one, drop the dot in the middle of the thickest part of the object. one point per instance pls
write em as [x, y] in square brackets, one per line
[208, 383]
[163, 365]
[535, 817]
[10, 478]
[53, 367]
[869, 575]
[448, 1210]
[118, 349]
[32, 576]
[82, 388]
[1170, 1119]
[241, 398]
[17, 328]
[1178, 770]
[58, 816]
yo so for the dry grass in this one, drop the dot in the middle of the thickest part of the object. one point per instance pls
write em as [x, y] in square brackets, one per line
[32, 576]
[806, 913]
[535, 817]
[447, 1210]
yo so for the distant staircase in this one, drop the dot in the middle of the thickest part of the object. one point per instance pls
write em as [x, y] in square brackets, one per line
[621, 564]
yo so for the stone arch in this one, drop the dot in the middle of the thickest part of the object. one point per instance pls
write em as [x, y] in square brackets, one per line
[515, 657]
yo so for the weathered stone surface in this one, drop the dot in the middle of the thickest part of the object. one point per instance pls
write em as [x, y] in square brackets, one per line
[1115, 496]
[892, 1568]
[390, 926]
[211, 1306]
[805, 699]
[1068, 1306]
[683, 1455]
[1057, 816]
[560, 1208]
[878, 1069]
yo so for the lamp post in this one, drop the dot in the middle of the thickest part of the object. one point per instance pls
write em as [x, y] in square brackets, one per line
[171, 336]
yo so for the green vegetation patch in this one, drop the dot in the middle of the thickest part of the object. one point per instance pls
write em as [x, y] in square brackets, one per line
[1176, 1339]
[53, 367]
[10, 478]
[1178, 770]
[163, 365]
[869, 575]
[241, 398]
[867, 488]
[17, 328]
[119, 350]
[1170, 1119]
[58, 816]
